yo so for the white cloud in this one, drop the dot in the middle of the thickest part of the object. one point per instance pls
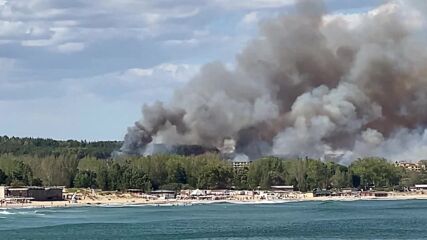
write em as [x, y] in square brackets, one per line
[59, 36]
[250, 18]
[409, 15]
[54, 24]
[71, 47]
[134, 84]
[59, 25]
[141, 72]
[22, 30]
[163, 73]
[253, 4]
[181, 42]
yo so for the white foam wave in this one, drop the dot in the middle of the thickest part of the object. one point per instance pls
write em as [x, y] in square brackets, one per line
[31, 213]
[262, 202]
[4, 212]
[243, 202]
[111, 205]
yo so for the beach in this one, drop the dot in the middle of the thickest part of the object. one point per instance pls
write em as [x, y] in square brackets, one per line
[129, 199]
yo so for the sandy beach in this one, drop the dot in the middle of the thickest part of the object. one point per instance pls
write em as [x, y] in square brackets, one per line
[127, 199]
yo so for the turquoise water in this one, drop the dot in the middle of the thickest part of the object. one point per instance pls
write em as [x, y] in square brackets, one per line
[298, 220]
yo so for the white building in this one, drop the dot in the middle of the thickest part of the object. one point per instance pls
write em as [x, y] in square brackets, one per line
[163, 194]
[284, 188]
[240, 164]
[2, 192]
[415, 167]
[421, 186]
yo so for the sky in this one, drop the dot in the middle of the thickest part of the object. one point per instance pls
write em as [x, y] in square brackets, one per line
[83, 69]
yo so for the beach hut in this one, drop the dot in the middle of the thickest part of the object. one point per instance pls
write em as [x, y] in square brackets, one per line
[197, 192]
[322, 193]
[163, 194]
[3, 192]
[421, 187]
[282, 189]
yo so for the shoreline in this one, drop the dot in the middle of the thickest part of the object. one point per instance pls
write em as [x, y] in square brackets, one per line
[138, 202]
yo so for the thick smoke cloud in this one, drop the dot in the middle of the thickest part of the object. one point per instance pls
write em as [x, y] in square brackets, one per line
[310, 84]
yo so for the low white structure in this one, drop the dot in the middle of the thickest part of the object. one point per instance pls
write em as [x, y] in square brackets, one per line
[163, 194]
[421, 186]
[284, 188]
[2, 192]
[241, 164]
[197, 192]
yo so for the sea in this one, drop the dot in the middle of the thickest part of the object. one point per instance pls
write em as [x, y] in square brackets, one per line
[374, 219]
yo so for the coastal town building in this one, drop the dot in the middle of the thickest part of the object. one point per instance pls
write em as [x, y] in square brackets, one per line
[280, 189]
[373, 194]
[415, 167]
[322, 193]
[333, 156]
[163, 194]
[136, 191]
[2, 192]
[238, 164]
[421, 187]
[32, 193]
[219, 192]
[349, 192]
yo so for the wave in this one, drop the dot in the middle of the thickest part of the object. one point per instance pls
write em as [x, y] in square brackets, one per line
[4, 212]
[237, 202]
[261, 202]
[35, 212]
[64, 210]
[111, 205]
[124, 205]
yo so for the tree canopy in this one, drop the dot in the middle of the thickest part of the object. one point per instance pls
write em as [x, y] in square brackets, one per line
[79, 164]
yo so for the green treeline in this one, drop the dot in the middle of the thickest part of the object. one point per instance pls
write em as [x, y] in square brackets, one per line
[46, 147]
[203, 171]
[309, 174]
[27, 161]
[156, 172]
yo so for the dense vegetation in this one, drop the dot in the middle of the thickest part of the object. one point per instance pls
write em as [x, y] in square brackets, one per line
[80, 164]
[49, 147]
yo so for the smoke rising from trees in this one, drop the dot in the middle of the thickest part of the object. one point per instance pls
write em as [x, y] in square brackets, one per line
[310, 84]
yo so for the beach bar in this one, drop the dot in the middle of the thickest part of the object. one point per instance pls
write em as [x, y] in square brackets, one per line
[2, 192]
[281, 189]
[421, 187]
[163, 194]
[33, 193]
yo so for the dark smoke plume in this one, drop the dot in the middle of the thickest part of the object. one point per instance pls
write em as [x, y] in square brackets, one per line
[310, 84]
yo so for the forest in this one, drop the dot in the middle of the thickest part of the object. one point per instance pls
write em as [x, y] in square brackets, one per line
[45, 162]
[49, 147]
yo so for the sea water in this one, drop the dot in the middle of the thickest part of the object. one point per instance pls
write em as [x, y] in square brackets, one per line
[293, 220]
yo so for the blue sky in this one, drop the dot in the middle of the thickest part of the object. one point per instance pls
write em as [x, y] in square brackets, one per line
[83, 69]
